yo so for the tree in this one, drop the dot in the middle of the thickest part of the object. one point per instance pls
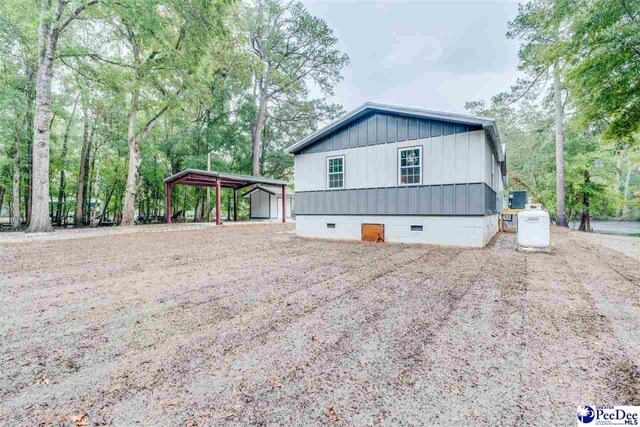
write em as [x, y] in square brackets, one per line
[17, 92]
[65, 148]
[53, 23]
[540, 24]
[85, 154]
[166, 47]
[293, 49]
[604, 55]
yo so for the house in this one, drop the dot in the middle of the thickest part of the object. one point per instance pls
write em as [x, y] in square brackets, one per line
[401, 174]
[265, 202]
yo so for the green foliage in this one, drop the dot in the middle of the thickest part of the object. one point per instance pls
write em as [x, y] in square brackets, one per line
[528, 134]
[605, 64]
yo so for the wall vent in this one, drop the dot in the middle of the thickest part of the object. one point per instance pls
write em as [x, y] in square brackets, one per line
[416, 228]
[331, 225]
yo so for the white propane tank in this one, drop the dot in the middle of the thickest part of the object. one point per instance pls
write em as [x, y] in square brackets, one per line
[533, 228]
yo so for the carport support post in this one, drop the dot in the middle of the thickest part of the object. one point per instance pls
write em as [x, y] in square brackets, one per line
[167, 203]
[235, 205]
[218, 202]
[284, 204]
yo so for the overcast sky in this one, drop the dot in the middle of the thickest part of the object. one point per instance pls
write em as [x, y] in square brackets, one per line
[428, 54]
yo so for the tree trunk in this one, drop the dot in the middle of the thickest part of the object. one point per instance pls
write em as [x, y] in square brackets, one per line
[625, 194]
[63, 158]
[585, 223]
[1, 198]
[197, 214]
[258, 126]
[86, 197]
[135, 158]
[561, 218]
[15, 186]
[84, 160]
[40, 220]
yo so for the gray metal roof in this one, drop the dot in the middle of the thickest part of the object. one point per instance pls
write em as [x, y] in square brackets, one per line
[230, 176]
[488, 124]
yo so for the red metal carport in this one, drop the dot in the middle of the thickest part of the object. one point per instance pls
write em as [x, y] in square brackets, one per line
[220, 180]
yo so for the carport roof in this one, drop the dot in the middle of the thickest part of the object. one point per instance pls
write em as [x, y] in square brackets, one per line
[209, 179]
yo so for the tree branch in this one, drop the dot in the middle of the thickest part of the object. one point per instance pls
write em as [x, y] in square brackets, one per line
[76, 13]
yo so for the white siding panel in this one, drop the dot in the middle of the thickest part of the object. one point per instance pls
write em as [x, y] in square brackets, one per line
[476, 156]
[437, 160]
[458, 158]
[462, 157]
[449, 159]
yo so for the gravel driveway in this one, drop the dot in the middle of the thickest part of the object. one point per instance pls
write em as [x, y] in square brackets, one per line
[253, 325]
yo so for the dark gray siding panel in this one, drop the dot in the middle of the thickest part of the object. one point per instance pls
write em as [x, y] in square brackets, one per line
[490, 200]
[436, 128]
[362, 201]
[447, 199]
[460, 128]
[362, 133]
[381, 122]
[462, 198]
[402, 128]
[345, 199]
[425, 128]
[413, 196]
[425, 200]
[436, 199]
[372, 201]
[379, 128]
[392, 128]
[447, 128]
[313, 202]
[371, 130]
[476, 198]
[413, 128]
[403, 200]
[353, 135]
[392, 201]
[382, 201]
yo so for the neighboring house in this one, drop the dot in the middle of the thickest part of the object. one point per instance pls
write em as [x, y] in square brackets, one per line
[266, 202]
[403, 175]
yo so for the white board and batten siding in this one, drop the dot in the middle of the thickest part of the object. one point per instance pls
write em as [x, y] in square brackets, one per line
[450, 159]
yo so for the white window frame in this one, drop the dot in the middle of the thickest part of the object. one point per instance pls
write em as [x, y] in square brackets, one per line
[344, 171]
[400, 150]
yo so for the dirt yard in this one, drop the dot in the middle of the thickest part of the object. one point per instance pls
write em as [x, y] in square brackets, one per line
[251, 325]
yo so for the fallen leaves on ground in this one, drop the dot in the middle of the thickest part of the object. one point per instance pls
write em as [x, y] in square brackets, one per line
[43, 378]
[331, 414]
[457, 391]
[80, 420]
[169, 403]
[275, 383]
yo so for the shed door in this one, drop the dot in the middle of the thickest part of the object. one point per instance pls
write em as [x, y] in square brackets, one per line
[373, 233]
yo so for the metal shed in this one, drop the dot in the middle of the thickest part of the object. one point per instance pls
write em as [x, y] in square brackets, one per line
[264, 202]
[220, 180]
